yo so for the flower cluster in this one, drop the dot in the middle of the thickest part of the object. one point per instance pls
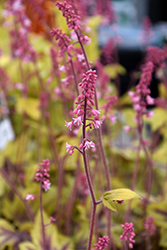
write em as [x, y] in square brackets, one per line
[20, 46]
[103, 80]
[106, 10]
[84, 104]
[42, 174]
[128, 233]
[102, 243]
[63, 40]
[88, 87]
[107, 52]
[149, 225]
[147, 32]
[142, 96]
[108, 107]
[156, 55]
[73, 20]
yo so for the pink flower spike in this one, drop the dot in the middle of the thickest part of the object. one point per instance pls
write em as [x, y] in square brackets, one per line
[88, 145]
[102, 243]
[30, 197]
[128, 233]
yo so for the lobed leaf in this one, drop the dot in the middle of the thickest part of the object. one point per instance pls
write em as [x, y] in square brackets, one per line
[120, 194]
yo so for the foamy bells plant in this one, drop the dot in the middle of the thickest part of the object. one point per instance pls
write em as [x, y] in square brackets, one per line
[86, 113]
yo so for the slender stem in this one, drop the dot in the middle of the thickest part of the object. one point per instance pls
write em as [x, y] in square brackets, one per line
[106, 168]
[134, 179]
[92, 225]
[85, 157]
[42, 220]
[15, 190]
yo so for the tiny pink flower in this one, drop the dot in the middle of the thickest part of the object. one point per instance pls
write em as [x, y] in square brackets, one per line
[131, 94]
[113, 119]
[52, 219]
[88, 145]
[77, 121]
[46, 185]
[127, 128]
[97, 124]
[30, 197]
[149, 100]
[62, 68]
[80, 57]
[69, 125]
[58, 91]
[68, 147]
[150, 114]
[136, 107]
[71, 152]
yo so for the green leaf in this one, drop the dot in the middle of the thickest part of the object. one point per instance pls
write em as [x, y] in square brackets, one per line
[27, 246]
[114, 69]
[158, 119]
[8, 237]
[120, 194]
[54, 240]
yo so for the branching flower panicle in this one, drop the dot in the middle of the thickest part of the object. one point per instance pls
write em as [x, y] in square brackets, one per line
[102, 243]
[42, 174]
[128, 233]
[72, 19]
[92, 115]
[142, 96]
[149, 226]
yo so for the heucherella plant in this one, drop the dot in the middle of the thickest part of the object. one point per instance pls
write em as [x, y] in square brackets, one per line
[48, 83]
[86, 113]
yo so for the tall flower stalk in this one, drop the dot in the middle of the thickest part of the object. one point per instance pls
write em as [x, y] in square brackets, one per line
[73, 22]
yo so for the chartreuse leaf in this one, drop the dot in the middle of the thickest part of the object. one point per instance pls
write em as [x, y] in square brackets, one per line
[158, 119]
[29, 106]
[54, 240]
[27, 246]
[163, 237]
[114, 69]
[8, 236]
[120, 194]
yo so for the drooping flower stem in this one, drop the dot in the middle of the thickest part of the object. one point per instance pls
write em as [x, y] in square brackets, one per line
[42, 220]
